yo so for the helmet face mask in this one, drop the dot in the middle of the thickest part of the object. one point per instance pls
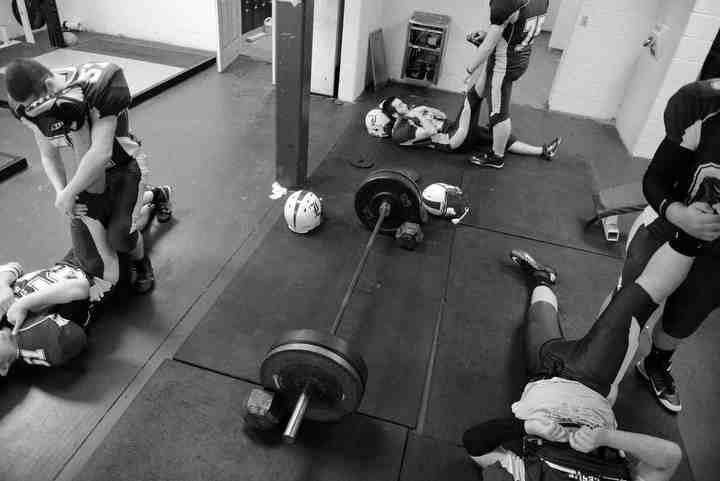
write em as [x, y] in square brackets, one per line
[303, 212]
[378, 124]
[445, 200]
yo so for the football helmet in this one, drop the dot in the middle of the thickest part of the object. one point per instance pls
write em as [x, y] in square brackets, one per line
[445, 200]
[303, 211]
[378, 124]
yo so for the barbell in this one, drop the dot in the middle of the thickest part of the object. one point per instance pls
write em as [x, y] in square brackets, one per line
[319, 373]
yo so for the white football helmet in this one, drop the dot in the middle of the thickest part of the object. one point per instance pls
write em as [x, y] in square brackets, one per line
[377, 123]
[303, 211]
[445, 200]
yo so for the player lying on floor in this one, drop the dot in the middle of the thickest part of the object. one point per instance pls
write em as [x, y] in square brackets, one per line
[565, 412]
[430, 127]
[44, 313]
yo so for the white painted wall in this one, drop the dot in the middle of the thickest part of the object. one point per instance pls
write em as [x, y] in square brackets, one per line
[693, 25]
[551, 16]
[598, 63]
[188, 23]
[465, 15]
[14, 29]
[565, 22]
[361, 17]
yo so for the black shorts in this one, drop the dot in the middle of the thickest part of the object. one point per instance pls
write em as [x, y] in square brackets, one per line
[477, 136]
[498, 87]
[698, 295]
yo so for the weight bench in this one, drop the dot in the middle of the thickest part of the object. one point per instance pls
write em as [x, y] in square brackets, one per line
[615, 201]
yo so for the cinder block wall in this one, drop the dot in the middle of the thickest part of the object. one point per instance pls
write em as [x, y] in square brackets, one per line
[694, 44]
[598, 63]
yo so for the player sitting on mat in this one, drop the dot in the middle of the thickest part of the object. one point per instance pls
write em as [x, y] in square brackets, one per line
[86, 108]
[564, 422]
[430, 127]
[44, 313]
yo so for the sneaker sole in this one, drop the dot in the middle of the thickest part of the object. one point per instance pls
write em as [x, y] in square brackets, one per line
[640, 369]
[492, 166]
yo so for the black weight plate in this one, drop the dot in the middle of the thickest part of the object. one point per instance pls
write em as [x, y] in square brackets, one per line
[329, 341]
[396, 188]
[334, 386]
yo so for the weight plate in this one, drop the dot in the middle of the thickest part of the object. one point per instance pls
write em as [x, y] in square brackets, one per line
[334, 375]
[396, 188]
[361, 162]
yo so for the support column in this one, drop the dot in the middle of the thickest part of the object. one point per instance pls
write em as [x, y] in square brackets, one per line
[294, 23]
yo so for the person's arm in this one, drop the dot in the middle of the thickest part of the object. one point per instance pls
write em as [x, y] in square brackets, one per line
[61, 292]
[486, 437]
[9, 273]
[93, 163]
[494, 34]
[657, 458]
[51, 161]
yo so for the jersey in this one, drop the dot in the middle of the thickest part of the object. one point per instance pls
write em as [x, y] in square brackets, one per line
[512, 52]
[406, 129]
[52, 337]
[107, 93]
[564, 402]
[692, 121]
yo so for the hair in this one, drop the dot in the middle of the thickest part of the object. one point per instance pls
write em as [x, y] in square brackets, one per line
[387, 107]
[25, 78]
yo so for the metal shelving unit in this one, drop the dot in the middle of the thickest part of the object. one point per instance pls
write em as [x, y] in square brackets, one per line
[425, 47]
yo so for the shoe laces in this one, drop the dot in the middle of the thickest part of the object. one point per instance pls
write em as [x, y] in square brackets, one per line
[663, 379]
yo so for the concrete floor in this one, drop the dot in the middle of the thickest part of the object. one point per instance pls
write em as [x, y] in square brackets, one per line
[222, 212]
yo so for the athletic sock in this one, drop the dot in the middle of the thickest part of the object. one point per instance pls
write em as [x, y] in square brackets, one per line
[660, 356]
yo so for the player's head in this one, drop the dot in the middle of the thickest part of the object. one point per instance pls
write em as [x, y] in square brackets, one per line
[378, 124]
[8, 350]
[43, 98]
[26, 80]
[394, 107]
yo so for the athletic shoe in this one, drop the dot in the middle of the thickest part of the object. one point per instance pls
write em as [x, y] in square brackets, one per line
[487, 160]
[550, 149]
[661, 383]
[142, 277]
[163, 206]
[545, 275]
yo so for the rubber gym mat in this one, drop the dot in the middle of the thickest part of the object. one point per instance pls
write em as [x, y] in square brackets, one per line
[187, 424]
[432, 459]
[294, 281]
[479, 366]
[548, 201]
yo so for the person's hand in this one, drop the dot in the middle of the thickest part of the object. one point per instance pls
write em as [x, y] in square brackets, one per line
[698, 220]
[65, 202]
[547, 429]
[587, 439]
[7, 297]
[79, 210]
[16, 315]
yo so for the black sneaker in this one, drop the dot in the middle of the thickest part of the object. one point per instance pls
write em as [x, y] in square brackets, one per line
[661, 383]
[541, 274]
[550, 149]
[142, 277]
[163, 206]
[487, 160]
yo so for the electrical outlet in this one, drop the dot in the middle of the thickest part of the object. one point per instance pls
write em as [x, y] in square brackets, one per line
[584, 21]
